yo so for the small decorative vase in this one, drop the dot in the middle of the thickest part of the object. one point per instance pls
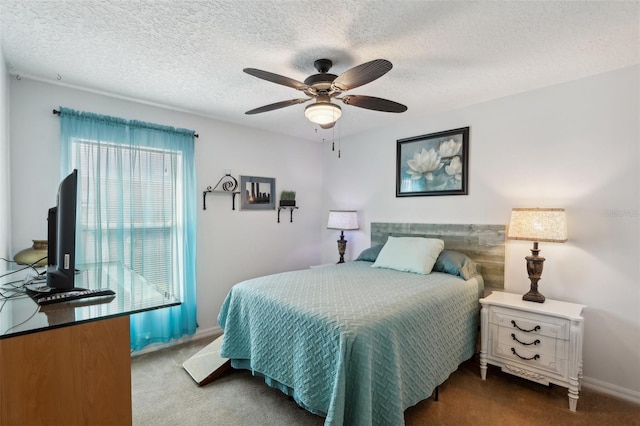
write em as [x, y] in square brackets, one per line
[36, 254]
[287, 203]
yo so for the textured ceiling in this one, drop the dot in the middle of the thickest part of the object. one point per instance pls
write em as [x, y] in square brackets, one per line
[189, 55]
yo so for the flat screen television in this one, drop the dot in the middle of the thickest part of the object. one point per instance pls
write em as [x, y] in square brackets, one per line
[61, 231]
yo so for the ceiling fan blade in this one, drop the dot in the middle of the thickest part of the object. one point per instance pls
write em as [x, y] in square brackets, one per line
[277, 105]
[370, 102]
[275, 78]
[362, 74]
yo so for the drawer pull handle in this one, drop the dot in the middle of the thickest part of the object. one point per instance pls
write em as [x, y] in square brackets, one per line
[536, 328]
[535, 342]
[536, 356]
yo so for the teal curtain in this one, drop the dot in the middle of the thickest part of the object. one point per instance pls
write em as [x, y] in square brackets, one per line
[137, 205]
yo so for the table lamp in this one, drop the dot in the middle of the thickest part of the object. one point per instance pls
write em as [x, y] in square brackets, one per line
[344, 220]
[534, 224]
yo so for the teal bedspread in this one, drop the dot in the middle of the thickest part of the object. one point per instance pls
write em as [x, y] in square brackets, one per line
[355, 344]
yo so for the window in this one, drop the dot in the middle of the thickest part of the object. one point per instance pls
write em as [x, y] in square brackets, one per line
[136, 219]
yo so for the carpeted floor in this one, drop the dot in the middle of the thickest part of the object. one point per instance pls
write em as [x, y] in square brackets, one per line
[164, 394]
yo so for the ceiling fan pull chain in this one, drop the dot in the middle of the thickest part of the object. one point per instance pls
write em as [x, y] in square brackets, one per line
[333, 140]
[339, 144]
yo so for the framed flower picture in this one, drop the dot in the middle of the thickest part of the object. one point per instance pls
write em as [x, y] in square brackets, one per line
[434, 164]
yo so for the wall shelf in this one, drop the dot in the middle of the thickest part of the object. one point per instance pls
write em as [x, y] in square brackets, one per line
[228, 185]
[233, 197]
[291, 209]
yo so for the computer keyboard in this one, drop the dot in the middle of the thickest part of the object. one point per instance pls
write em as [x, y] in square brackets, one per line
[72, 295]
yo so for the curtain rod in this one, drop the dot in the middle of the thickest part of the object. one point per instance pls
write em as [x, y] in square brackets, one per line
[56, 112]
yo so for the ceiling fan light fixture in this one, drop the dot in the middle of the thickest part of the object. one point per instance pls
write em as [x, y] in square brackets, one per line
[323, 86]
[323, 113]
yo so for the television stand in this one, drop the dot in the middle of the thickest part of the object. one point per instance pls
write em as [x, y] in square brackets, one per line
[75, 375]
[70, 363]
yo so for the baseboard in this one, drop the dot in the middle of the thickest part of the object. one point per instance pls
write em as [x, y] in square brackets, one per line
[200, 334]
[612, 390]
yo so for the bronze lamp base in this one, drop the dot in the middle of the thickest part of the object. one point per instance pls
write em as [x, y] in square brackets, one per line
[534, 268]
[342, 246]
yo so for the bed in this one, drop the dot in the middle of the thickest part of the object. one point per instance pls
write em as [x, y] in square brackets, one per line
[357, 343]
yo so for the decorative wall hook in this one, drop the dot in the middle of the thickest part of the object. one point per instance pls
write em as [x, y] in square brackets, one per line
[228, 185]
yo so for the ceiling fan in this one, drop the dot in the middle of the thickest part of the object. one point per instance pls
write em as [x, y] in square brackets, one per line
[324, 86]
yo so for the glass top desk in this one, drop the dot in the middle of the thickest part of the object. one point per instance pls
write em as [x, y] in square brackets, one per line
[21, 315]
[70, 363]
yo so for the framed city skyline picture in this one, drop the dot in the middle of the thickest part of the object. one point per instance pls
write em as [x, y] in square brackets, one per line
[257, 193]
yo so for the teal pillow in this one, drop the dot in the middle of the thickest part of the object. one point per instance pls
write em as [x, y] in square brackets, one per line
[456, 263]
[370, 254]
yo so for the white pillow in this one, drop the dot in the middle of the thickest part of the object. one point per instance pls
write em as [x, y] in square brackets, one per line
[409, 254]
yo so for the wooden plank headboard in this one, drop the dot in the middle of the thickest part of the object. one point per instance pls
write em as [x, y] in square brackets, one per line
[484, 244]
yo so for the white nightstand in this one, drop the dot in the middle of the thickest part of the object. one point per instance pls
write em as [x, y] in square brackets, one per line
[541, 342]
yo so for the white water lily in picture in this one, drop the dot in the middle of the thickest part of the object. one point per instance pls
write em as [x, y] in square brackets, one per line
[450, 148]
[455, 168]
[434, 164]
[423, 164]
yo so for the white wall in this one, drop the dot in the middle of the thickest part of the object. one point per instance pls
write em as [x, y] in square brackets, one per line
[232, 245]
[574, 145]
[5, 229]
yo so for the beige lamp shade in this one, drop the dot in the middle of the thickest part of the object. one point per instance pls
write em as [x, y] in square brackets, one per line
[343, 219]
[535, 224]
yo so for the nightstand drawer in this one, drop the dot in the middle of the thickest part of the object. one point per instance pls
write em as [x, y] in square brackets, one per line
[530, 323]
[530, 358]
[542, 345]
